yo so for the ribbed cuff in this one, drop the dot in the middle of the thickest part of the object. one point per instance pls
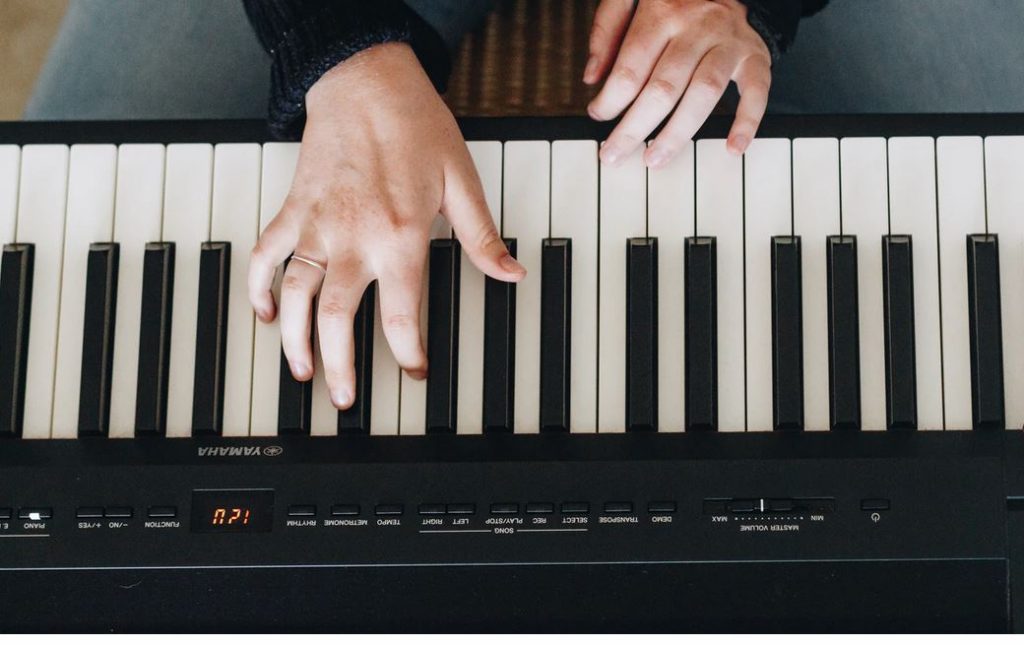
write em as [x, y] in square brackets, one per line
[306, 38]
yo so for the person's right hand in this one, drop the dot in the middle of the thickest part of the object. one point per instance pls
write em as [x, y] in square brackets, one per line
[381, 156]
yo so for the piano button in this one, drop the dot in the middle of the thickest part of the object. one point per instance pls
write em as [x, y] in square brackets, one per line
[294, 401]
[574, 203]
[720, 215]
[900, 362]
[97, 340]
[413, 399]
[670, 215]
[278, 169]
[556, 322]
[5, 513]
[875, 504]
[912, 213]
[35, 514]
[985, 319]
[661, 507]
[16, 268]
[211, 339]
[815, 217]
[623, 195]
[575, 508]
[119, 512]
[540, 508]
[389, 509]
[1004, 168]
[526, 216]
[235, 219]
[701, 335]
[961, 212]
[618, 508]
[356, 420]
[188, 191]
[844, 335]
[89, 512]
[138, 211]
[385, 382]
[487, 156]
[866, 216]
[504, 508]
[344, 510]
[90, 218]
[431, 509]
[443, 336]
[462, 508]
[767, 188]
[742, 506]
[642, 334]
[787, 334]
[162, 512]
[158, 276]
[41, 210]
[499, 352]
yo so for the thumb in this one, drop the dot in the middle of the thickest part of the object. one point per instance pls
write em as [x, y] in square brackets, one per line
[466, 209]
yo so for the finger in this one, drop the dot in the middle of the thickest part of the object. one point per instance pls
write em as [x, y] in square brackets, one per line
[700, 98]
[657, 100]
[340, 296]
[644, 43]
[272, 248]
[753, 79]
[300, 284]
[466, 209]
[610, 22]
[400, 291]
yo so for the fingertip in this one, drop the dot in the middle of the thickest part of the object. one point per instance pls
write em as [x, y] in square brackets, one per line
[738, 144]
[301, 372]
[342, 398]
[417, 374]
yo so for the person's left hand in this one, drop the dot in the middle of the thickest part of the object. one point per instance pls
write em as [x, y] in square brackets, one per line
[674, 57]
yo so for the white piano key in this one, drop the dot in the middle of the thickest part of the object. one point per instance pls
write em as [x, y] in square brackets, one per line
[41, 207]
[10, 169]
[525, 217]
[769, 212]
[670, 216]
[912, 212]
[187, 200]
[574, 216]
[236, 219]
[623, 191]
[413, 394]
[90, 218]
[720, 214]
[865, 213]
[815, 217]
[279, 162]
[324, 416]
[487, 158]
[961, 188]
[386, 382]
[138, 214]
[1004, 172]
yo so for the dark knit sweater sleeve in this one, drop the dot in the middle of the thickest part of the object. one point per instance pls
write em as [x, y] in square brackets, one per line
[777, 20]
[306, 38]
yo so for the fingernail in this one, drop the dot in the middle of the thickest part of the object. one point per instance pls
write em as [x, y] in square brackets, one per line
[590, 69]
[418, 375]
[657, 157]
[342, 399]
[610, 155]
[740, 144]
[510, 264]
[300, 370]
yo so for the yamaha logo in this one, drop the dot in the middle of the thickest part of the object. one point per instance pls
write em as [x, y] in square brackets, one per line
[240, 451]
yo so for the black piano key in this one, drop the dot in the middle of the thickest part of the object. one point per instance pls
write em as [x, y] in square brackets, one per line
[211, 339]
[443, 336]
[294, 398]
[15, 314]
[499, 352]
[701, 311]
[642, 334]
[787, 334]
[98, 339]
[356, 419]
[900, 349]
[555, 327]
[985, 316]
[843, 333]
[155, 339]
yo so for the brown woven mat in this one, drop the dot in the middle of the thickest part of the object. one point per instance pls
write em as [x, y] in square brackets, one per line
[526, 59]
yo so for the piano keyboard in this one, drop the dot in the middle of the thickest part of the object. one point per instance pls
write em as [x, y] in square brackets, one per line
[816, 283]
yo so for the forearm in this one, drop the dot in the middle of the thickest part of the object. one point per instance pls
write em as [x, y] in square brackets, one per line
[306, 38]
[777, 20]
